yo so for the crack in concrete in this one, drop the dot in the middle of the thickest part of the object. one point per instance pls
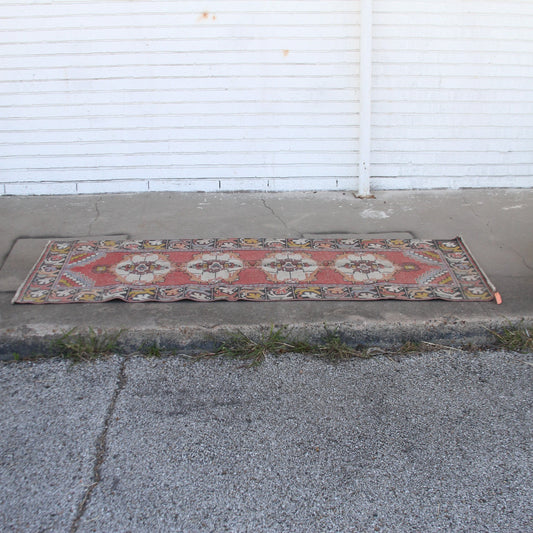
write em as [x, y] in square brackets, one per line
[3, 259]
[469, 205]
[274, 214]
[97, 216]
[488, 224]
[101, 447]
[526, 264]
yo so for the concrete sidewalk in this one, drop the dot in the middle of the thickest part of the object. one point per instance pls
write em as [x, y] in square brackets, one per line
[496, 224]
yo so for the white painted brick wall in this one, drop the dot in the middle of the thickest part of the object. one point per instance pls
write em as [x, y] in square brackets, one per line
[135, 95]
[452, 93]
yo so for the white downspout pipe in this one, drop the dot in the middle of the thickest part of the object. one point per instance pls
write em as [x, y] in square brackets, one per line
[365, 97]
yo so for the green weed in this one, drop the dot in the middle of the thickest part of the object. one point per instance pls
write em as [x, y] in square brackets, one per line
[518, 338]
[240, 346]
[151, 350]
[411, 347]
[277, 341]
[332, 347]
[85, 345]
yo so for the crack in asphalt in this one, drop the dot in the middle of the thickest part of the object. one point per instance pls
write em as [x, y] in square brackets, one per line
[101, 447]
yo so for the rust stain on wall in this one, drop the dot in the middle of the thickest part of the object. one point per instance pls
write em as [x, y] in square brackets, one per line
[285, 53]
[205, 16]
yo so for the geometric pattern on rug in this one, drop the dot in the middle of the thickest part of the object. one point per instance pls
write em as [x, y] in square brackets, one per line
[251, 269]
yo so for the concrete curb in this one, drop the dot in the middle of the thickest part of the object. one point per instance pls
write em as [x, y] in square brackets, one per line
[39, 341]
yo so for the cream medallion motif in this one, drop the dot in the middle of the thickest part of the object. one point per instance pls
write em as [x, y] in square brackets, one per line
[142, 269]
[364, 268]
[214, 267]
[289, 267]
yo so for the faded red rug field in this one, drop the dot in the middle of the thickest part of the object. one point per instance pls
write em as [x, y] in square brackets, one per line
[255, 270]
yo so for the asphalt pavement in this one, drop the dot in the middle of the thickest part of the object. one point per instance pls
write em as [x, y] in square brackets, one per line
[440, 441]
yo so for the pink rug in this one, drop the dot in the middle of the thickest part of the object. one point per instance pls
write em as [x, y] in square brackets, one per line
[256, 270]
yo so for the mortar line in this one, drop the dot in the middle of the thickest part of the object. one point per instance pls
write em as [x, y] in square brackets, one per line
[101, 447]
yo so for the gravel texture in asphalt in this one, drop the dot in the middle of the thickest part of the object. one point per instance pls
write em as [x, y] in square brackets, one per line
[436, 442]
[52, 413]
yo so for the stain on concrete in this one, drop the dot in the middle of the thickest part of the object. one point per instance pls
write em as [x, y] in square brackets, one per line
[372, 213]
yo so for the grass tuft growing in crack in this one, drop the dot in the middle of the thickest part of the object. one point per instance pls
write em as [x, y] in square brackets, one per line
[273, 341]
[332, 347]
[85, 345]
[277, 341]
[518, 338]
[151, 349]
